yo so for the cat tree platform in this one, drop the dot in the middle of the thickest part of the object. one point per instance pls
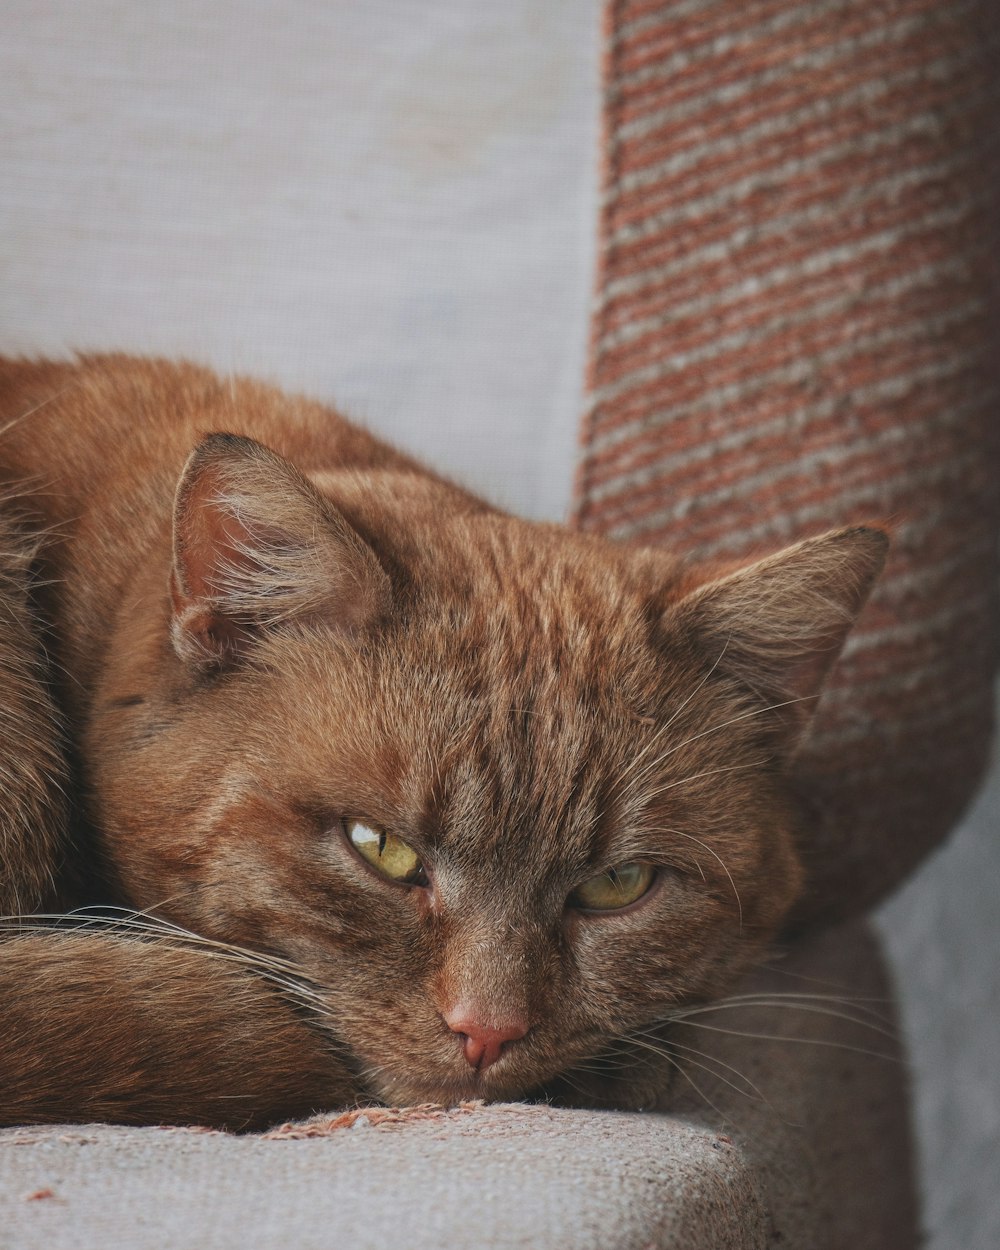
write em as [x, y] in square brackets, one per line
[810, 1159]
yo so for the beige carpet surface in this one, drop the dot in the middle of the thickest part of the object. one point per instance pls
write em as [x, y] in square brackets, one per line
[502, 1176]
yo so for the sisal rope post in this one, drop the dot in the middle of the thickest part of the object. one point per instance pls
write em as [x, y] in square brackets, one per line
[796, 327]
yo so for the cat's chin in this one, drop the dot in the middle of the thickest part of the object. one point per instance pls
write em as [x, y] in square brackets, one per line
[627, 1078]
[406, 1091]
[618, 1093]
[597, 1084]
[568, 1090]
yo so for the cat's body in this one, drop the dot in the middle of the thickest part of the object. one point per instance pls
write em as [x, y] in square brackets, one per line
[350, 717]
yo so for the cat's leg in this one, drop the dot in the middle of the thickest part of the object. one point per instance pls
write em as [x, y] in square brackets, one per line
[97, 1026]
[100, 1026]
[32, 763]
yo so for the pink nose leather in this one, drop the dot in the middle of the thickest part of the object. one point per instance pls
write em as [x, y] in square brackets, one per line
[482, 1043]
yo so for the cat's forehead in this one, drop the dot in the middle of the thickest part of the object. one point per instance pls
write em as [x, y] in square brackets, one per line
[476, 570]
[549, 634]
[544, 590]
[515, 628]
[518, 673]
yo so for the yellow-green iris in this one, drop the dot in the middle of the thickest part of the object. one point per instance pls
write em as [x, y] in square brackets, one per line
[393, 857]
[615, 888]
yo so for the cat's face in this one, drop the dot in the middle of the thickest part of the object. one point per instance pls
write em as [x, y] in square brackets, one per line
[515, 801]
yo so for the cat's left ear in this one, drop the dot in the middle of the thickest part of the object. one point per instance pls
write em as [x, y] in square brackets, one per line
[255, 545]
[776, 627]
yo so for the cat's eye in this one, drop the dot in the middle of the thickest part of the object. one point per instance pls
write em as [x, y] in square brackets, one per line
[390, 855]
[614, 889]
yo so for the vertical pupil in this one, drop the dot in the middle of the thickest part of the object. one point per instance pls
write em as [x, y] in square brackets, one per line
[381, 844]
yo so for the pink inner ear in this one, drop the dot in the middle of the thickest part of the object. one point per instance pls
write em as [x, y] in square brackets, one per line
[209, 539]
[778, 625]
[213, 634]
[255, 545]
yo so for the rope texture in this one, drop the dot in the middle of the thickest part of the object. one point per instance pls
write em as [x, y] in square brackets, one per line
[796, 327]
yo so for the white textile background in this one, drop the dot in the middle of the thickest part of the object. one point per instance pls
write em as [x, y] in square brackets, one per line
[387, 204]
[392, 205]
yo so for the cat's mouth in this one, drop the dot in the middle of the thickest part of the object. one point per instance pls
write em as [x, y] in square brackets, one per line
[587, 1084]
[528, 1069]
[501, 1081]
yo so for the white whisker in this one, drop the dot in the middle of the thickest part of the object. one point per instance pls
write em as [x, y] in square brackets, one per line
[753, 712]
[663, 728]
[704, 845]
[798, 1041]
[705, 733]
[708, 772]
[685, 1015]
[678, 1067]
[37, 408]
[673, 1045]
[792, 998]
[142, 927]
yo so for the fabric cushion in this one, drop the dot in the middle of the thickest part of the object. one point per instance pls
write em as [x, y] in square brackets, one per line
[795, 330]
[791, 1143]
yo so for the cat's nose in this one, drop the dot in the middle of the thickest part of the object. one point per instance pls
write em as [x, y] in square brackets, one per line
[482, 1043]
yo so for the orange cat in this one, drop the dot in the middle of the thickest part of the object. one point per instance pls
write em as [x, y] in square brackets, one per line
[436, 803]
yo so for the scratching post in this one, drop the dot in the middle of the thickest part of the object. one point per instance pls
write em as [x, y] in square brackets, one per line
[796, 327]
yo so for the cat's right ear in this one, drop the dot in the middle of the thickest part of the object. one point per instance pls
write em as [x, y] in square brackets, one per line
[777, 626]
[256, 546]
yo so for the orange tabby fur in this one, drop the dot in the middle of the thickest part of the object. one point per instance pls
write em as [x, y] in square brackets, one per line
[232, 619]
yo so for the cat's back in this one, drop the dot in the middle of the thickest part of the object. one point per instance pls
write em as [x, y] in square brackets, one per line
[119, 422]
[91, 452]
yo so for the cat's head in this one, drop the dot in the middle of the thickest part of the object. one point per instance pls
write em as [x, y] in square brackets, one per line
[503, 793]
